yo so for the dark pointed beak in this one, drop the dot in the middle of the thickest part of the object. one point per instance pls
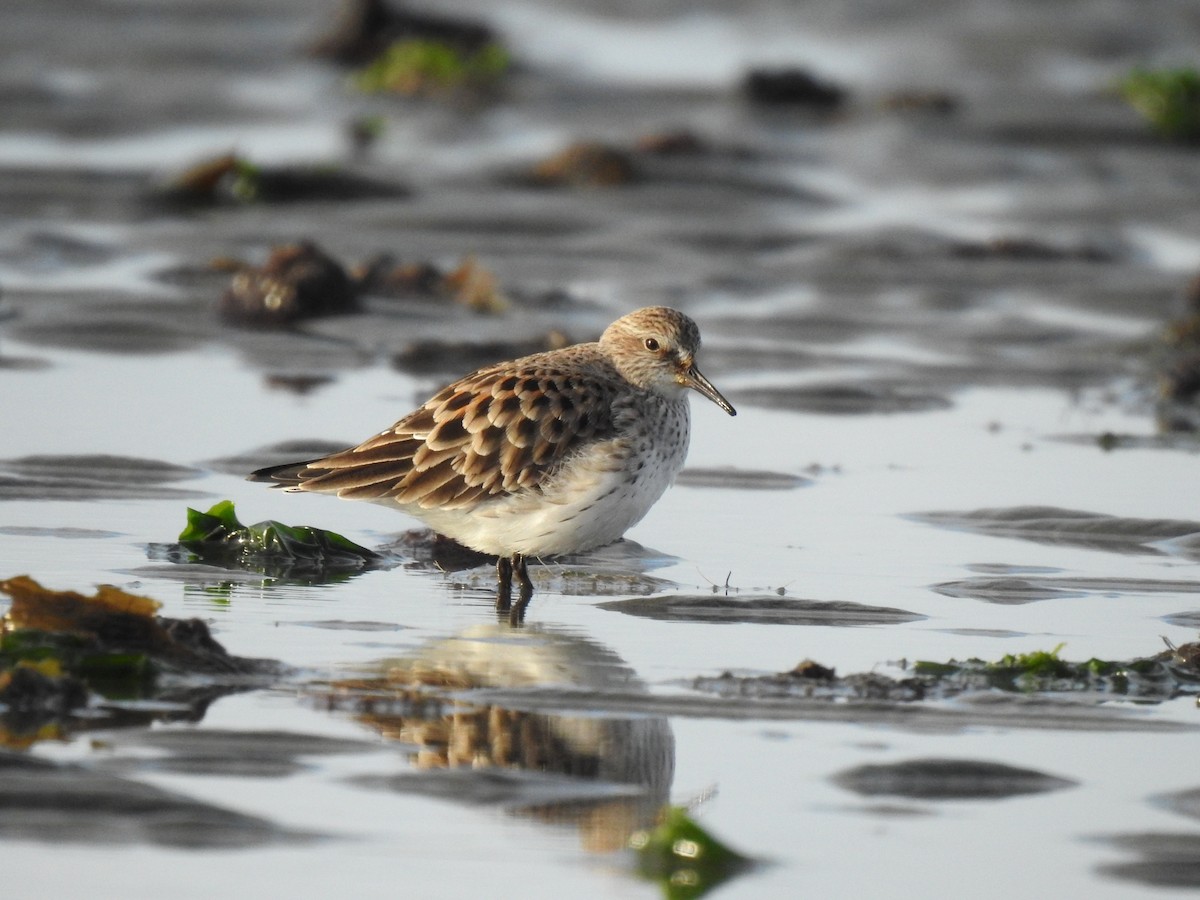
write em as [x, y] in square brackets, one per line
[693, 378]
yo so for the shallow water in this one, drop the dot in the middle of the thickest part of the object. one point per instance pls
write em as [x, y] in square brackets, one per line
[909, 402]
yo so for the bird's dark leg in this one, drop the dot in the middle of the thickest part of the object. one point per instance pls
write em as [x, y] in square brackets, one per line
[506, 568]
[521, 569]
[503, 585]
[504, 573]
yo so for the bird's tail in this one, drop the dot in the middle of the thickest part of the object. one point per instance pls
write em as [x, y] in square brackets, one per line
[287, 475]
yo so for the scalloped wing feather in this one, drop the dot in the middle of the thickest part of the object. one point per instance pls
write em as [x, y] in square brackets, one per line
[498, 431]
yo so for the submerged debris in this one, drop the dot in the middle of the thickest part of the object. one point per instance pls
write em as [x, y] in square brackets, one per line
[366, 28]
[298, 281]
[1169, 674]
[301, 552]
[469, 284]
[1179, 371]
[1168, 98]
[684, 858]
[230, 178]
[424, 68]
[792, 87]
[589, 164]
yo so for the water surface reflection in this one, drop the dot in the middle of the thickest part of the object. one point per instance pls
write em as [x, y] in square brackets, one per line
[607, 776]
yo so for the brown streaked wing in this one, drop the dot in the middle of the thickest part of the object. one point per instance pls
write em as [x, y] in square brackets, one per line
[495, 432]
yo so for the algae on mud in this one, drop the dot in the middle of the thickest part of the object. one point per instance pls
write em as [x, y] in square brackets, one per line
[1155, 679]
[434, 68]
[62, 652]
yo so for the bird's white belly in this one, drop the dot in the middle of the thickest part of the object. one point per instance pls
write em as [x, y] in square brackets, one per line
[592, 502]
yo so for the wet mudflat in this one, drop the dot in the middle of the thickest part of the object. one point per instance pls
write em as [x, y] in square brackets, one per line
[944, 276]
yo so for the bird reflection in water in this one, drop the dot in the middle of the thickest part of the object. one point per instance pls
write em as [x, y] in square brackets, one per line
[608, 776]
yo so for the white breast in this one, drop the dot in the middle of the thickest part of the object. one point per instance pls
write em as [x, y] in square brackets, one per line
[596, 496]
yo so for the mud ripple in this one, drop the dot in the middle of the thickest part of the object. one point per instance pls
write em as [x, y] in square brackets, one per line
[948, 779]
[1053, 525]
[759, 610]
[57, 804]
[1031, 590]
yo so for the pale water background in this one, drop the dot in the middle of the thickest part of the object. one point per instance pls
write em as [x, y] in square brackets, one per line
[825, 259]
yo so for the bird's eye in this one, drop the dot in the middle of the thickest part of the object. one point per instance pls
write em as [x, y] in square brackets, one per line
[651, 345]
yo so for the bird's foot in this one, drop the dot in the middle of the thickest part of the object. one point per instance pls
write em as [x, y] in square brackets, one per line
[506, 568]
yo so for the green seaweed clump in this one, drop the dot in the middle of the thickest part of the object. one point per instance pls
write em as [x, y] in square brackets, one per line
[218, 537]
[1041, 670]
[683, 858]
[1168, 98]
[429, 67]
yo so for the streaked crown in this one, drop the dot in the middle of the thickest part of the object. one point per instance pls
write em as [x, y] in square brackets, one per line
[651, 346]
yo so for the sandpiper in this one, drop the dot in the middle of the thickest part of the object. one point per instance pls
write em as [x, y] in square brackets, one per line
[558, 452]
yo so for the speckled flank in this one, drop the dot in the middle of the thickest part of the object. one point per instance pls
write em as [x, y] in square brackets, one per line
[553, 453]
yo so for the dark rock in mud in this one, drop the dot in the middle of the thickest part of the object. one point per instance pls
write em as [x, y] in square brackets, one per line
[588, 164]
[51, 803]
[298, 281]
[792, 87]
[862, 398]
[428, 549]
[230, 179]
[763, 610]
[1030, 250]
[365, 28]
[618, 569]
[469, 284]
[948, 779]
[385, 276]
[1054, 525]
